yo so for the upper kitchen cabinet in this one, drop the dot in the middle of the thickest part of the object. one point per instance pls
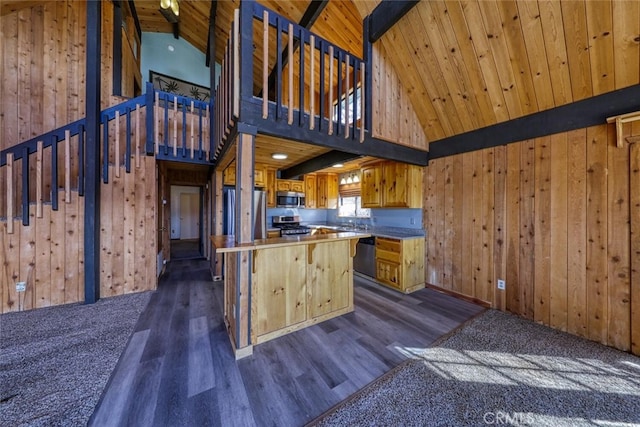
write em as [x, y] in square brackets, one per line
[270, 177]
[391, 185]
[229, 175]
[290, 185]
[370, 192]
[327, 191]
[310, 191]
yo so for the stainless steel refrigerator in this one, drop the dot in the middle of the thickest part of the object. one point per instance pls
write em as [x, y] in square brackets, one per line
[259, 213]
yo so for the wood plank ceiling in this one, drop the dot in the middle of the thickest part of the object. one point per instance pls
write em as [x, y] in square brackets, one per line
[194, 21]
[465, 64]
[471, 64]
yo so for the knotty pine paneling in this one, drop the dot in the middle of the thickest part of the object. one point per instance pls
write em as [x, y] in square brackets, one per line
[393, 115]
[470, 64]
[48, 253]
[43, 79]
[551, 216]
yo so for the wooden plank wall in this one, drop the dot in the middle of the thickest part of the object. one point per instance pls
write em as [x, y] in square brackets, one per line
[47, 255]
[394, 118]
[128, 217]
[551, 216]
[42, 67]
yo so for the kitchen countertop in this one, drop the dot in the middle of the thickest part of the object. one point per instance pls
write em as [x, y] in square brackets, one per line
[391, 232]
[227, 243]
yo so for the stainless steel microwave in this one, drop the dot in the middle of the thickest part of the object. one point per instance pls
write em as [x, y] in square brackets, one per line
[289, 199]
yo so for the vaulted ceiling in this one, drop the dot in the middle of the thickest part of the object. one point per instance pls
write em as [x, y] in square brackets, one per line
[465, 64]
[470, 64]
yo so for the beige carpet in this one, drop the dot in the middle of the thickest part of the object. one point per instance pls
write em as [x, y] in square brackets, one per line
[499, 369]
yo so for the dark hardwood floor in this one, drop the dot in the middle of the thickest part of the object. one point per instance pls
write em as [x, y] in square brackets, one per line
[185, 249]
[178, 368]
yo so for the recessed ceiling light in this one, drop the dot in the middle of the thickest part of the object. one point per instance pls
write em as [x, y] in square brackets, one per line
[279, 156]
[171, 48]
[338, 165]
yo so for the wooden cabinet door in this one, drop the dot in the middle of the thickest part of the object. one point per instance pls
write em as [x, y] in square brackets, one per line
[297, 186]
[370, 191]
[258, 177]
[388, 272]
[280, 288]
[330, 278]
[310, 189]
[395, 185]
[271, 187]
[321, 194]
[229, 175]
[332, 191]
[283, 185]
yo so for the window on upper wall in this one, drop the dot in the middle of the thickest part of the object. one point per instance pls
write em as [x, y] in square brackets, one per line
[350, 207]
[348, 103]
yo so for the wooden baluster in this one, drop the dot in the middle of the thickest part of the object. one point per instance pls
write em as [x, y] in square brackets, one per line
[207, 137]
[39, 161]
[54, 173]
[301, 80]
[175, 126]
[137, 137]
[184, 129]
[25, 186]
[346, 98]
[127, 153]
[362, 102]
[192, 136]
[321, 93]
[166, 125]
[67, 166]
[330, 106]
[156, 121]
[265, 65]
[116, 148]
[278, 68]
[312, 82]
[236, 65]
[81, 161]
[10, 210]
[290, 112]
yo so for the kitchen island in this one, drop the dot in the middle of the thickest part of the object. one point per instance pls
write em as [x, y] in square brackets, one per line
[294, 282]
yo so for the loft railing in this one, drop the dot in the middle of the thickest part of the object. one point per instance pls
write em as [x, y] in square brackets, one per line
[36, 170]
[179, 128]
[317, 86]
[227, 99]
[334, 76]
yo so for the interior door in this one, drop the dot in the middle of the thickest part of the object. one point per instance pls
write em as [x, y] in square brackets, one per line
[189, 216]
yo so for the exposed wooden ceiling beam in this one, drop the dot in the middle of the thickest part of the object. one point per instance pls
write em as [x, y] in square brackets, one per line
[385, 15]
[321, 162]
[577, 115]
[212, 30]
[310, 16]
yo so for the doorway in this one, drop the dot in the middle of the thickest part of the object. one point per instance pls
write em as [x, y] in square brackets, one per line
[186, 222]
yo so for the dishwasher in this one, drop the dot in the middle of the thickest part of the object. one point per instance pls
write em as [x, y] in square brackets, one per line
[365, 260]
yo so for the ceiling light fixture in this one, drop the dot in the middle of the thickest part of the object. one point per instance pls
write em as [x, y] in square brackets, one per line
[338, 165]
[356, 178]
[279, 156]
[170, 9]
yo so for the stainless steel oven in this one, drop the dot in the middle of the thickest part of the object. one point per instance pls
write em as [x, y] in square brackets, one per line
[289, 199]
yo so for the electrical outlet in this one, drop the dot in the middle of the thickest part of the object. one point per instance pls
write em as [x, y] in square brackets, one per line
[501, 284]
[21, 286]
